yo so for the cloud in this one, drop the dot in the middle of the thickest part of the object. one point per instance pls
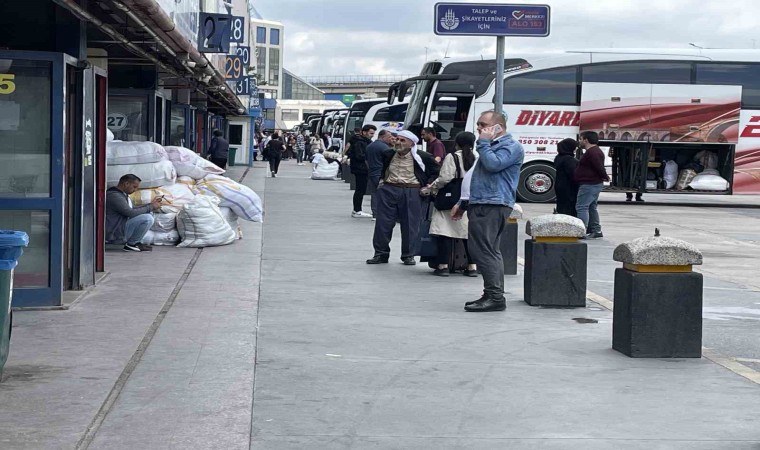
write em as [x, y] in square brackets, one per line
[377, 37]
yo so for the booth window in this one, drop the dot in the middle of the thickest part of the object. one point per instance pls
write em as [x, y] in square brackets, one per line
[128, 117]
[178, 126]
[33, 269]
[25, 128]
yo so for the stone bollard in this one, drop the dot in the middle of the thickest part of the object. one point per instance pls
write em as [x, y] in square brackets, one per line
[509, 242]
[555, 262]
[658, 299]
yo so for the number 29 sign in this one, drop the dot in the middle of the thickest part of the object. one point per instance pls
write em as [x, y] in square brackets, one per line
[233, 68]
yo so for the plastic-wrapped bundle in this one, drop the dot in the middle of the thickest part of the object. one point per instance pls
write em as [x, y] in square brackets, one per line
[164, 221]
[170, 237]
[325, 171]
[201, 224]
[129, 153]
[684, 178]
[241, 199]
[154, 174]
[188, 163]
[184, 179]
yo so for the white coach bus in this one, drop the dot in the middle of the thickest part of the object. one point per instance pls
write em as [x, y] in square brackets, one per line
[648, 106]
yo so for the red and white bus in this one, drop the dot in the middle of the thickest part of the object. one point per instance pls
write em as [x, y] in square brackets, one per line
[647, 105]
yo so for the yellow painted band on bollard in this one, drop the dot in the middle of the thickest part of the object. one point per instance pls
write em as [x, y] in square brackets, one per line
[646, 268]
[555, 239]
[511, 220]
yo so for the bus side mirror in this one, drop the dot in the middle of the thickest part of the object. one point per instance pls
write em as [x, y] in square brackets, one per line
[402, 90]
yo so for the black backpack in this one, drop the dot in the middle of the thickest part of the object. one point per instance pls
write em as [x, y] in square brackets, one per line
[448, 196]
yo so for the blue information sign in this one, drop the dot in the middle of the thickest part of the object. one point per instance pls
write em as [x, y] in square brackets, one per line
[488, 19]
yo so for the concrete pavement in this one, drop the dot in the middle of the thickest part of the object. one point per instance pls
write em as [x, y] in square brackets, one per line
[287, 340]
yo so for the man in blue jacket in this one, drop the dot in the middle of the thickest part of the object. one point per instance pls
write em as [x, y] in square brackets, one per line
[493, 189]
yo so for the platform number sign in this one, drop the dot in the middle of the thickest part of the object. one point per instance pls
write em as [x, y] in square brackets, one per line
[215, 33]
[243, 87]
[237, 28]
[7, 83]
[233, 68]
[116, 121]
[245, 53]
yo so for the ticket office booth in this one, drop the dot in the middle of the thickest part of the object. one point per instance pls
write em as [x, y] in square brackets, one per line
[140, 115]
[52, 140]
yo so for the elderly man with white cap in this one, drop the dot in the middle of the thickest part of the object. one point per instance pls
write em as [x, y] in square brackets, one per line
[404, 172]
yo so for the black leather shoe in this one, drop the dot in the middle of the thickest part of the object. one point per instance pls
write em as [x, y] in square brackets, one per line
[470, 273]
[378, 259]
[441, 272]
[487, 305]
[480, 300]
[409, 261]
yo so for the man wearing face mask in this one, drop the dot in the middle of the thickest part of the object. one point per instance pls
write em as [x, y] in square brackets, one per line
[492, 193]
[404, 172]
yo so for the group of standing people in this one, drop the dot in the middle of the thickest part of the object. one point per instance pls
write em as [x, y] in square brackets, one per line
[276, 147]
[481, 178]
[579, 183]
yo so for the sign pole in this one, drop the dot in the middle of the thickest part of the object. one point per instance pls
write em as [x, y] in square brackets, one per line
[499, 98]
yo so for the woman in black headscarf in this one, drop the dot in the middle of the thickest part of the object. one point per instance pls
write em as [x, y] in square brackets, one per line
[565, 187]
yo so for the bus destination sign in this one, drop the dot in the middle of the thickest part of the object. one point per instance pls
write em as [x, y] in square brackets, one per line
[488, 19]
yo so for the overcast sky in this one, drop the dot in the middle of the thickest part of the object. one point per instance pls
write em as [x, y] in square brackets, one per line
[375, 37]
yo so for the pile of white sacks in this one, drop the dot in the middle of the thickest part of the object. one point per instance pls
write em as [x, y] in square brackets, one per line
[200, 206]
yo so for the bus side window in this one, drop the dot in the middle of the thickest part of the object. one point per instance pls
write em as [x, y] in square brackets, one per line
[745, 75]
[664, 72]
[452, 115]
[549, 87]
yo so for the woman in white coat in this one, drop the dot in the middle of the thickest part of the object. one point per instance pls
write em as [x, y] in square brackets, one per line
[442, 225]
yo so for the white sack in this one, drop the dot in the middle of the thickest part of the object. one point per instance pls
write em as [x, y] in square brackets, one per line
[325, 171]
[201, 224]
[709, 182]
[232, 219]
[152, 175]
[188, 163]
[164, 222]
[120, 153]
[175, 196]
[170, 237]
[671, 174]
[241, 199]
[109, 135]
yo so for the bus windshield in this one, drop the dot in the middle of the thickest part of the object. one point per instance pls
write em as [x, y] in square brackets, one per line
[418, 99]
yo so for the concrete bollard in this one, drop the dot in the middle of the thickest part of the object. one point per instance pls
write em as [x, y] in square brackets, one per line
[555, 262]
[658, 299]
[509, 242]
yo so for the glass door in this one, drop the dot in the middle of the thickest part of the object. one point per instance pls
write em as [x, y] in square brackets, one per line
[32, 142]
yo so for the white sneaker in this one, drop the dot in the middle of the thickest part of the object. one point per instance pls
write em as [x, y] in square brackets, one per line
[360, 215]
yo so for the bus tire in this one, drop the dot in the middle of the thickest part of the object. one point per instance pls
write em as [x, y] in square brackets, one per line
[537, 183]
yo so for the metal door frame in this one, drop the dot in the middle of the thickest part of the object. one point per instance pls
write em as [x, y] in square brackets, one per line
[52, 294]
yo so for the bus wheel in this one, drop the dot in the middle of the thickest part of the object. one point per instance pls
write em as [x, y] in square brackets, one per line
[536, 183]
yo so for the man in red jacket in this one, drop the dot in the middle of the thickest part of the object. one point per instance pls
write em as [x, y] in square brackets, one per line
[590, 176]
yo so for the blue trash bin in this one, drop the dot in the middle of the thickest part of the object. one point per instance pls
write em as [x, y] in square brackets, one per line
[12, 245]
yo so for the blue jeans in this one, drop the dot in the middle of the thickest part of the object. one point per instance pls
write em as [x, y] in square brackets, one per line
[588, 195]
[136, 227]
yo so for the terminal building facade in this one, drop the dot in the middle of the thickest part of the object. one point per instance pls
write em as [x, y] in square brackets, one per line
[71, 69]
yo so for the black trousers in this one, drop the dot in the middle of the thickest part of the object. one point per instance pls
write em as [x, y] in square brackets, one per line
[372, 184]
[487, 225]
[361, 190]
[397, 204]
[274, 163]
[446, 246]
[221, 162]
